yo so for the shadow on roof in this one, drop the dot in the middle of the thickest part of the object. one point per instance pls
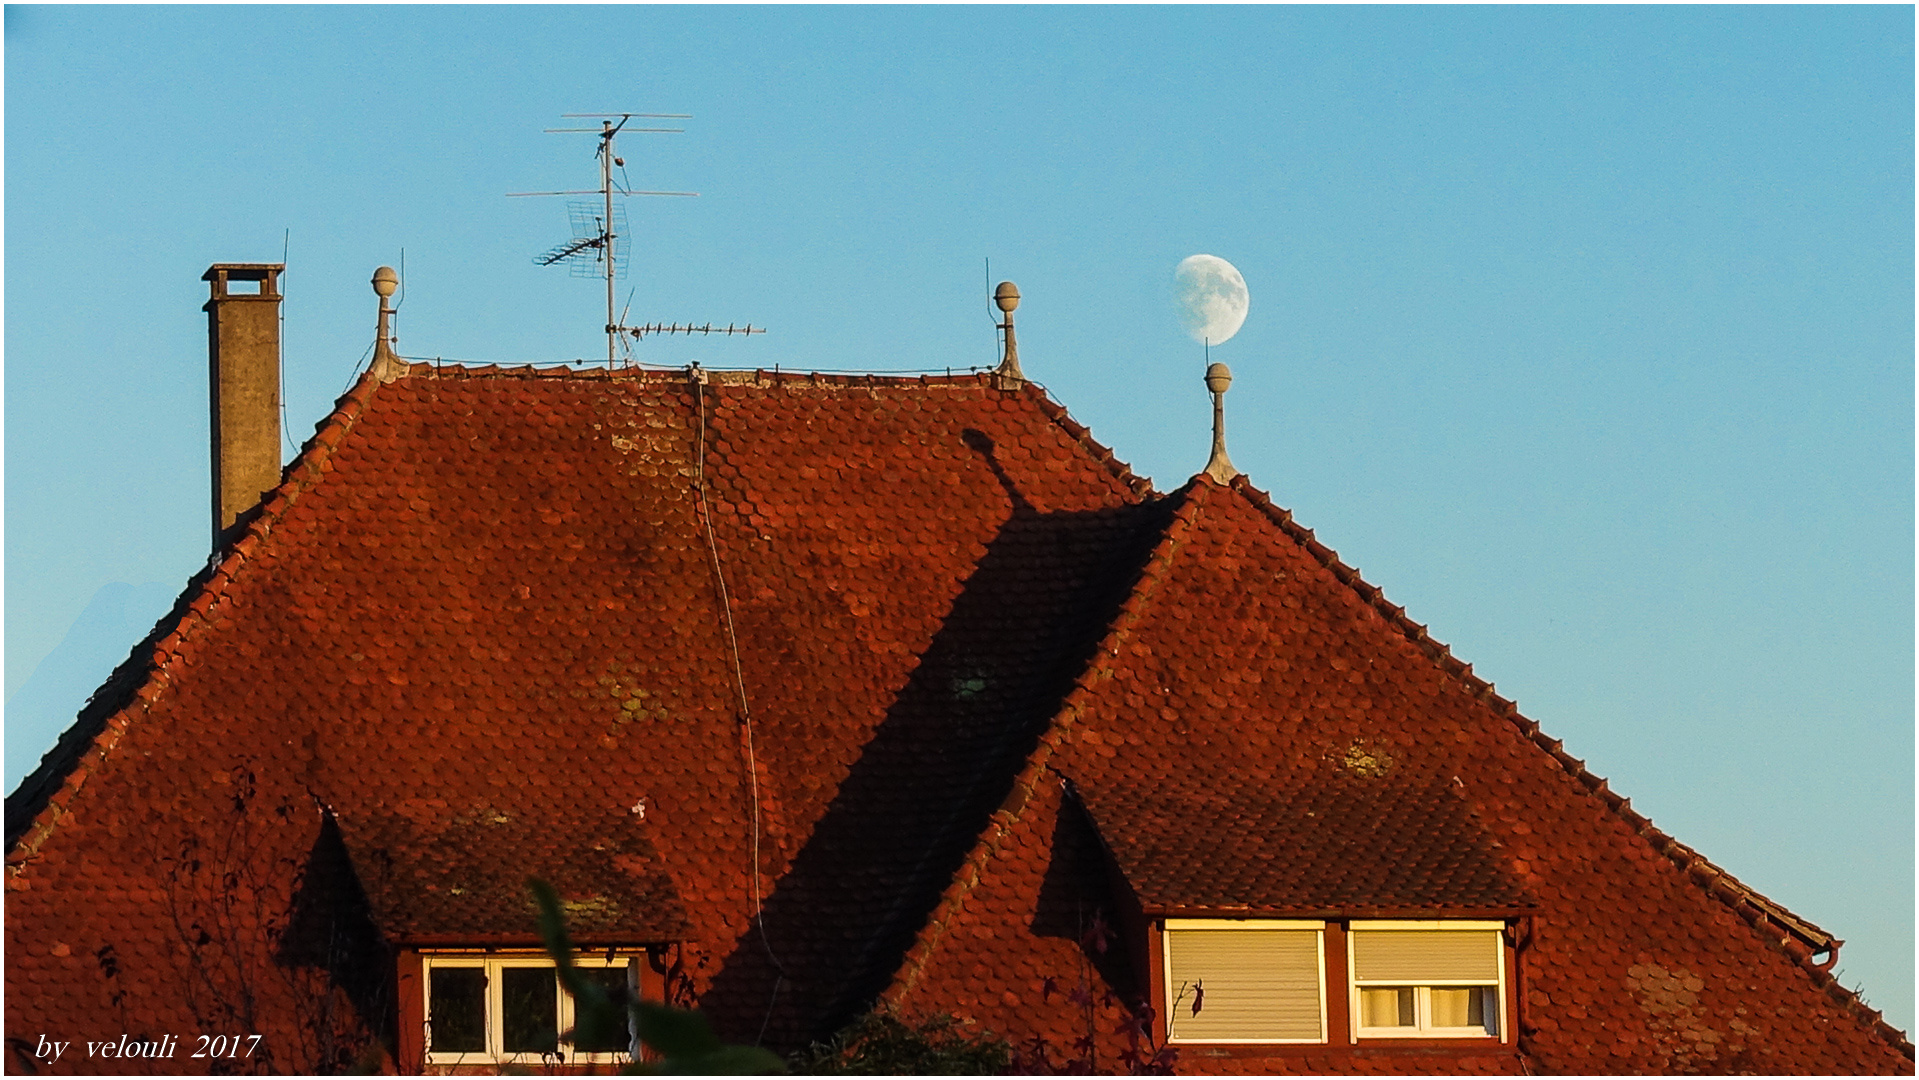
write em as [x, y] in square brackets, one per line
[939, 763]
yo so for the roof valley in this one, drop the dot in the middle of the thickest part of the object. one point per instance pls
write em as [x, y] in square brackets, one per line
[979, 696]
[1180, 510]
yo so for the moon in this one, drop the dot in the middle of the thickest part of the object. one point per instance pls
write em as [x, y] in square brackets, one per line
[1212, 297]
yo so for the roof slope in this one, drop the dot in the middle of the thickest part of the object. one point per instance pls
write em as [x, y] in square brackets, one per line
[1252, 674]
[484, 606]
[786, 665]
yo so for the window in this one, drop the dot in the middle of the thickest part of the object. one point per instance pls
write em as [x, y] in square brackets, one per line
[1426, 979]
[1253, 981]
[488, 1009]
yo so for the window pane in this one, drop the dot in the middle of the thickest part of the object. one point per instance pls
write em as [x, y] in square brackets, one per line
[1386, 1006]
[531, 1023]
[612, 1039]
[1459, 1006]
[456, 1009]
[1258, 984]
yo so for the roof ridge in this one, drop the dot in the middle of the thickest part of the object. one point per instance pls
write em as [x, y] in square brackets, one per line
[1142, 486]
[40, 802]
[774, 376]
[1756, 909]
[1184, 507]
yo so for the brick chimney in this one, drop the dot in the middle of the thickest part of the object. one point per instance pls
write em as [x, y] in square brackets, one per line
[243, 355]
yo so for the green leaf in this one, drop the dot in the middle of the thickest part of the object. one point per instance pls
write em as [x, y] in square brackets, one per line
[675, 1032]
[552, 922]
[559, 945]
[681, 1037]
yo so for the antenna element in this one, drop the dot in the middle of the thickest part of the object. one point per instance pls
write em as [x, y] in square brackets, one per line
[599, 242]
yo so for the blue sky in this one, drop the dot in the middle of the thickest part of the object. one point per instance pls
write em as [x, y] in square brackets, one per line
[1585, 333]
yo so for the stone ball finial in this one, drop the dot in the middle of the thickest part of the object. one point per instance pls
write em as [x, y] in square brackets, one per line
[385, 282]
[1006, 296]
[1218, 378]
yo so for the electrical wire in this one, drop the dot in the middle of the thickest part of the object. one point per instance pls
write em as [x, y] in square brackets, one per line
[286, 426]
[698, 378]
[354, 375]
[993, 313]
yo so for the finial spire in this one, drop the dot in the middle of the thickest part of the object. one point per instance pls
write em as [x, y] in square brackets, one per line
[1006, 298]
[387, 366]
[1219, 466]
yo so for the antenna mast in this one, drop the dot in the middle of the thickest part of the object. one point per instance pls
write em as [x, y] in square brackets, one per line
[608, 130]
[598, 231]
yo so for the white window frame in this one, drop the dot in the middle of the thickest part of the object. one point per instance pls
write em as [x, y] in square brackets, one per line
[1422, 1001]
[495, 1053]
[1318, 927]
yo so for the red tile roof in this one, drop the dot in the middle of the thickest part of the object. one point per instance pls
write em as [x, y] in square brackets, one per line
[798, 671]
[482, 610]
[1253, 686]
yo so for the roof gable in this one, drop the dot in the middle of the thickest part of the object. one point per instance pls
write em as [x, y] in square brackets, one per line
[1252, 684]
[1268, 697]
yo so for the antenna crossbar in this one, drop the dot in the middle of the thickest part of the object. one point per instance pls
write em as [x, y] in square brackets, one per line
[597, 191]
[689, 329]
[598, 243]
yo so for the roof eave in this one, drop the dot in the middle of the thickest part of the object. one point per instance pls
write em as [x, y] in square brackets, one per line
[639, 939]
[1333, 912]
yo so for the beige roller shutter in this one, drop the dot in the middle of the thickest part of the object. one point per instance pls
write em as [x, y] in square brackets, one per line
[1260, 984]
[1425, 956]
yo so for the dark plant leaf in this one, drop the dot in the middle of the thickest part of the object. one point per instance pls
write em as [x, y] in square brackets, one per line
[683, 1039]
[676, 1032]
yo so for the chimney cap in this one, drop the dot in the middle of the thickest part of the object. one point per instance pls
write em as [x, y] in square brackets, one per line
[385, 281]
[242, 271]
[1006, 296]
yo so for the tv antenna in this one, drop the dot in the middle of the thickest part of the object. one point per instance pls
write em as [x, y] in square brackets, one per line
[598, 247]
